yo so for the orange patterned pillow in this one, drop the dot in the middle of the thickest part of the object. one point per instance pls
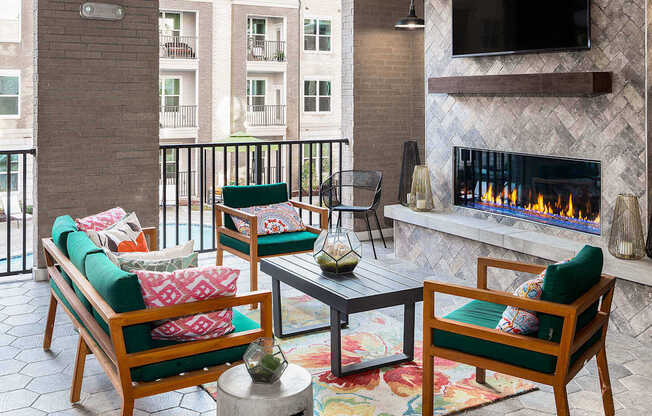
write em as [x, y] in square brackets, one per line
[124, 236]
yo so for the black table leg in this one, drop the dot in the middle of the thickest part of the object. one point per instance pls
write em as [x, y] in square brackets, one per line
[336, 346]
[278, 316]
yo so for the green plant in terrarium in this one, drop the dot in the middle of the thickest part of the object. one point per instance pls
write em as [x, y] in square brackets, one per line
[337, 250]
[265, 361]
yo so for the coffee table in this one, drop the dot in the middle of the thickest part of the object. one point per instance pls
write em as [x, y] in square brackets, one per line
[371, 286]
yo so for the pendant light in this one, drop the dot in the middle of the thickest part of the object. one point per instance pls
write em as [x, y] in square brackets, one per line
[411, 22]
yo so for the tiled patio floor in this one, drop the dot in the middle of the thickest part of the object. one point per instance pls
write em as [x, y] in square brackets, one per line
[33, 382]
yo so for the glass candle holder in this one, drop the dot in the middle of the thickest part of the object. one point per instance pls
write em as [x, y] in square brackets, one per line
[626, 238]
[420, 197]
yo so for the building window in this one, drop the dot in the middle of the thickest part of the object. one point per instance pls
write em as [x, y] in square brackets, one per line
[9, 94]
[10, 21]
[169, 92]
[3, 173]
[256, 30]
[170, 166]
[256, 94]
[317, 96]
[317, 35]
[169, 24]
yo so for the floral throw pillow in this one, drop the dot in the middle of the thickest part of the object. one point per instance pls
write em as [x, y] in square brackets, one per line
[520, 321]
[124, 236]
[101, 221]
[272, 219]
[161, 289]
[165, 265]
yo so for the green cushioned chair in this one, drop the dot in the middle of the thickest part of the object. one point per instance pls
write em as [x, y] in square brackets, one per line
[573, 316]
[253, 248]
[107, 307]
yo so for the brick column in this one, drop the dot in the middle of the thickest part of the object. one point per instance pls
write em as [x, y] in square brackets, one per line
[96, 113]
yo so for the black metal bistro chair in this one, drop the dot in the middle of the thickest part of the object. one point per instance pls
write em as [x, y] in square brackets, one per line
[362, 182]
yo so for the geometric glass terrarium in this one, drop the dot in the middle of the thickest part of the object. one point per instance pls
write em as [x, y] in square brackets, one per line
[265, 361]
[337, 250]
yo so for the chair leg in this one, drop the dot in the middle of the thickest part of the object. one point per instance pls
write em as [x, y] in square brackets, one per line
[127, 406]
[219, 257]
[605, 383]
[380, 230]
[371, 237]
[427, 393]
[561, 400]
[339, 219]
[253, 279]
[78, 375]
[49, 326]
[480, 375]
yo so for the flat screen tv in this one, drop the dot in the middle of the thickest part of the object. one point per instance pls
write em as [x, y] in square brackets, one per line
[500, 27]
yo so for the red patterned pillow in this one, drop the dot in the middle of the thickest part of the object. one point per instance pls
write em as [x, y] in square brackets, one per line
[189, 285]
[101, 221]
[272, 219]
[124, 236]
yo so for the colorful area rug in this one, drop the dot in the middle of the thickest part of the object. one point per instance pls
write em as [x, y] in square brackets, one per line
[390, 391]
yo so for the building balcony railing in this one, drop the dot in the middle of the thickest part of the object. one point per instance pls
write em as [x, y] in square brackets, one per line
[178, 47]
[265, 50]
[265, 115]
[178, 116]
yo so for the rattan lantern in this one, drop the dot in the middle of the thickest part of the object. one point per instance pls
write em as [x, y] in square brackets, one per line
[626, 238]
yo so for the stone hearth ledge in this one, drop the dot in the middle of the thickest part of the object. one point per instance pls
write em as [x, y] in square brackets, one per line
[528, 242]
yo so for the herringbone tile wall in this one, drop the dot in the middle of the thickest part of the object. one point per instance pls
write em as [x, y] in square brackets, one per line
[610, 128]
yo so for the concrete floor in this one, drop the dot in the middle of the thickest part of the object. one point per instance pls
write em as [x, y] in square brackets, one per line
[33, 382]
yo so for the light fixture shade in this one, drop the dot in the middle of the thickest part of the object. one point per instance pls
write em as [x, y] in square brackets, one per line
[420, 197]
[626, 239]
[411, 22]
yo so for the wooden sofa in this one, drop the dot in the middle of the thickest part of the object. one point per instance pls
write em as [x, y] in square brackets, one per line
[106, 306]
[573, 316]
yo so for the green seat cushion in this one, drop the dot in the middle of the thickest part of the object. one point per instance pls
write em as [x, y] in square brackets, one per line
[487, 315]
[155, 371]
[565, 283]
[275, 243]
[249, 196]
[63, 226]
[121, 290]
[79, 247]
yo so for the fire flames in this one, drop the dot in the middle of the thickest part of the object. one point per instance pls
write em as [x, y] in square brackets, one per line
[540, 207]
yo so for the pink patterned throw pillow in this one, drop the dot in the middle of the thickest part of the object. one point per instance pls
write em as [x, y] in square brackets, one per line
[520, 321]
[101, 221]
[272, 219]
[161, 289]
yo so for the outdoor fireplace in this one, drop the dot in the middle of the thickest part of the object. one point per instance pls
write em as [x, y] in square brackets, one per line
[550, 190]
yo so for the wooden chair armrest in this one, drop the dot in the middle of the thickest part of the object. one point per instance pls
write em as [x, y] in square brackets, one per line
[605, 284]
[502, 298]
[234, 212]
[323, 215]
[486, 262]
[234, 234]
[151, 235]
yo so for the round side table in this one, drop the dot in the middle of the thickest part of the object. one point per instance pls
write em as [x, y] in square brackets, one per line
[238, 395]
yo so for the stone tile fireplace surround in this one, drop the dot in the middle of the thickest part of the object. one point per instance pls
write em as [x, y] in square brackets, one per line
[609, 128]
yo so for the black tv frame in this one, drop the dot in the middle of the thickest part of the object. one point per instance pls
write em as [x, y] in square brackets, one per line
[524, 51]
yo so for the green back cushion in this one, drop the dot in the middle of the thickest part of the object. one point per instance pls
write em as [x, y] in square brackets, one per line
[63, 226]
[80, 246]
[121, 291]
[248, 196]
[565, 283]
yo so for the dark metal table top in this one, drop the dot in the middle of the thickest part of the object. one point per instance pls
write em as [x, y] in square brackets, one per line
[371, 285]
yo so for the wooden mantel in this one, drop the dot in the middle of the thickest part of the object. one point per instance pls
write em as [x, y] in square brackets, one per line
[562, 83]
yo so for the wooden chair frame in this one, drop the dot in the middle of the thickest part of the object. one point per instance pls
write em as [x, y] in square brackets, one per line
[570, 340]
[110, 350]
[252, 240]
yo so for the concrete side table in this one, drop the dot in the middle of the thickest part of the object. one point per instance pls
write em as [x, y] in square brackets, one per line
[237, 395]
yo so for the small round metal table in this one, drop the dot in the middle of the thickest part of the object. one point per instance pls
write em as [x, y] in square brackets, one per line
[238, 395]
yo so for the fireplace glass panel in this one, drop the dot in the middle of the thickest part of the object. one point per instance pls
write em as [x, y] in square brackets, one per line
[555, 191]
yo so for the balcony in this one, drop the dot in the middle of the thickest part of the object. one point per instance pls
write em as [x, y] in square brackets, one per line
[178, 116]
[177, 47]
[266, 115]
[265, 50]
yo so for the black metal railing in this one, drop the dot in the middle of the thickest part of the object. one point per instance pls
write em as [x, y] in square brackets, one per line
[177, 47]
[265, 115]
[302, 164]
[16, 172]
[265, 50]
[176, 116]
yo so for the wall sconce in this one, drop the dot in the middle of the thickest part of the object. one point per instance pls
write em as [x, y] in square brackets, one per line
[101, 11]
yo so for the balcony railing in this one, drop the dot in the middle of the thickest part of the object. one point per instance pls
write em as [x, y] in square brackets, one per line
[303, 165]
[265, 115]
[265, 50]
[178, 47]
[16, 223]
[178, 116]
